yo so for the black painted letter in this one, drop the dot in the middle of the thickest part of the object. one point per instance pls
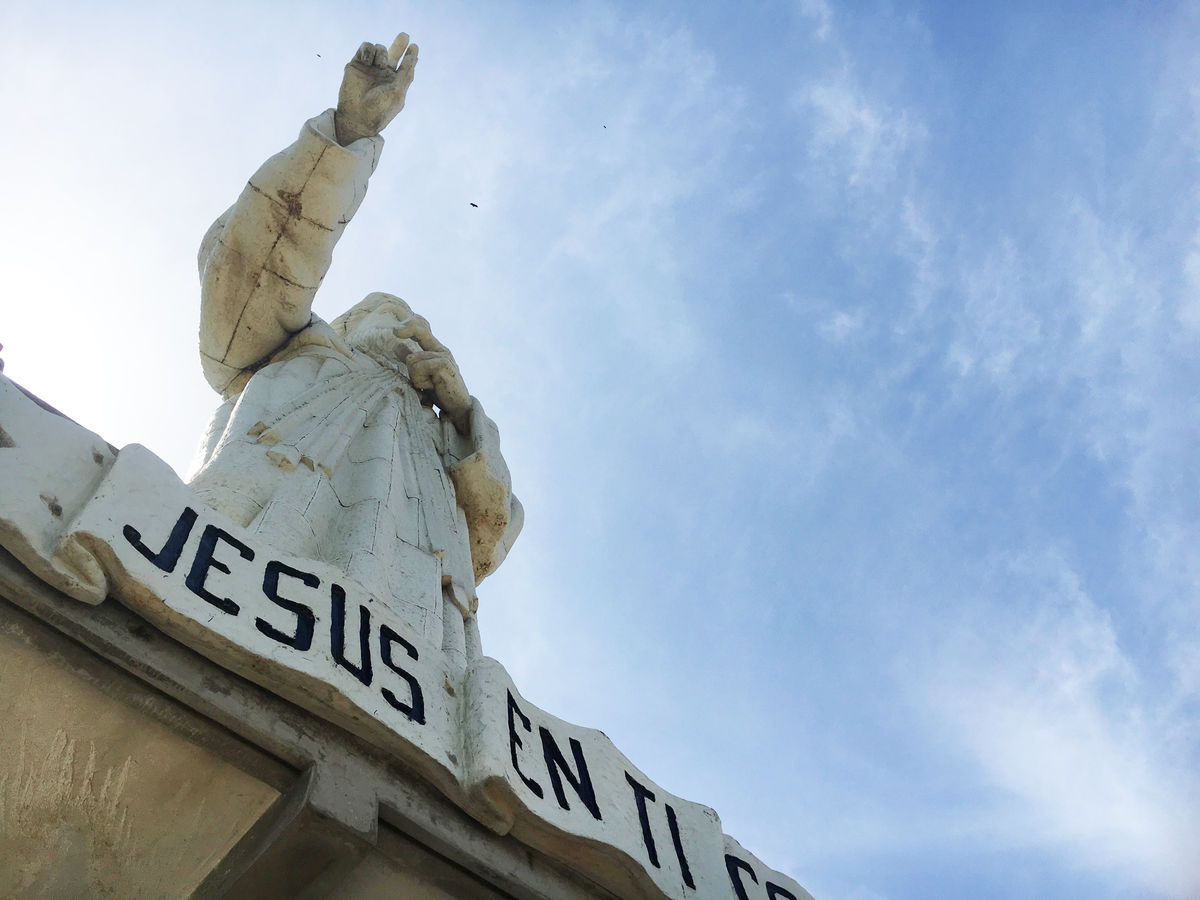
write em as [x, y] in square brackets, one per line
[514, 741]
[168, 556]
[774, 890]
[415, 710]
[337, 635]
[684, 868]
[732, 864]
[556, 765]
[305, 619]
[640, 795]
[204, 561]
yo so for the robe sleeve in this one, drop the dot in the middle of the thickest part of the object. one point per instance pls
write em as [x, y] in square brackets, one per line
[263, 260]
[483, 489]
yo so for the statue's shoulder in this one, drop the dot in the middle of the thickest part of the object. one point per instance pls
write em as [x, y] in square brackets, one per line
[316, 339]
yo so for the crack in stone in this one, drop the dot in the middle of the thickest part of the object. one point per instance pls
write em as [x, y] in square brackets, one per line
[238, 324]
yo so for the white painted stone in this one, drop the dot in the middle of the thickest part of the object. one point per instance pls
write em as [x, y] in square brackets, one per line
[228, 593]
[98, 798]
[563, 789]
[297, 626]
[349, 496]
[327, 443]
[751, 879]
[49, 467]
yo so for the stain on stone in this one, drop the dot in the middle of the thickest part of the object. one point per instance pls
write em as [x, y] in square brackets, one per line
[215, 686]
[292, 202]
[98, 457]
[448, 687]
[142, 631]
[450, 756]
[53, 505]
[6, 440]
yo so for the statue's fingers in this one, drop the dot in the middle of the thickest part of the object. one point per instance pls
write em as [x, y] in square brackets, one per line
[380, 57]
[450, 390]
[449, 380]
[396, 51]
[412, 320]
[414, 327]
[417, 328]
[421, 369]
[365, 54]
[408, 64]
[405, 348]
[433, 361]
[433, 345]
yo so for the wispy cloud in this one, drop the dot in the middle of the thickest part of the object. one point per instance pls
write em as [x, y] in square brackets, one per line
[1051, 709]
[858, 140]
[860, 431]
[1060, 314]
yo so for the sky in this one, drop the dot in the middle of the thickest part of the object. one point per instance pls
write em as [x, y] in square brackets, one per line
[844, 357]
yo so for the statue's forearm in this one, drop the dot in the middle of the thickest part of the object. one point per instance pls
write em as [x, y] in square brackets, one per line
[263, 261]
[483, 490]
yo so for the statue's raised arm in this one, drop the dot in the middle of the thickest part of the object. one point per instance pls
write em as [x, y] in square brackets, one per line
[356, 441]
[263, 260]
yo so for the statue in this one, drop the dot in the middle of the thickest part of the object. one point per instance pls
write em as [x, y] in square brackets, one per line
[354, 442]
[356, 496]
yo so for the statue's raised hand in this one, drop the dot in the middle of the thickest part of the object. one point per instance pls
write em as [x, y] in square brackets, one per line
[373, 88]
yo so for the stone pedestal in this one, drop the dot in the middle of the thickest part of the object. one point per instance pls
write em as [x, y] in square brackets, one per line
[187, 710]
[131, 766]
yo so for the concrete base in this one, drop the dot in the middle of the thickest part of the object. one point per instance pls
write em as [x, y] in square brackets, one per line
[132, 766]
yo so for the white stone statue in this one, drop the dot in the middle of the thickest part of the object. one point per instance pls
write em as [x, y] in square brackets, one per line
[328, 442]
[347, 458]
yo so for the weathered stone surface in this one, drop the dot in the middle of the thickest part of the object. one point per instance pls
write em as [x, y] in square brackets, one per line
[328, 443]
[49, 467]
[349, 496]
[308, 632]
[95, 795]
[347, 795]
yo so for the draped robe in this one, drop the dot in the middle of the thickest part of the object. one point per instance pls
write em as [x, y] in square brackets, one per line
[322, 444]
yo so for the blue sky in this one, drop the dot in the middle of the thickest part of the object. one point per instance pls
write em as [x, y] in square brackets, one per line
[844, 355]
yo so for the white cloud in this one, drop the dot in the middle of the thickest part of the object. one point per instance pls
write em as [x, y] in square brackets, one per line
[1053, 712]
[821, 13]
[863, 152]
[1188, 314]
[856, 137]
[842, 325]
[556, 293]
[1065, 311]
[1000, 322]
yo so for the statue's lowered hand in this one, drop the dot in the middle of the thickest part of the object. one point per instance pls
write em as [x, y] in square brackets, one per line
[432, 368]
[373, 88]
[436, 370]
